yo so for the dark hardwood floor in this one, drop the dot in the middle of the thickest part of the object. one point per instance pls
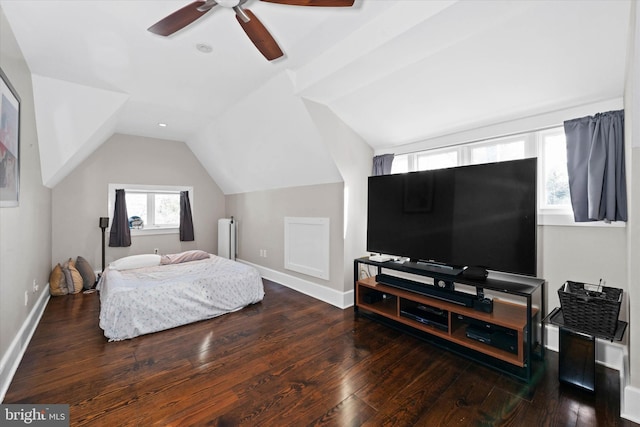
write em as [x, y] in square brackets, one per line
[289, 360]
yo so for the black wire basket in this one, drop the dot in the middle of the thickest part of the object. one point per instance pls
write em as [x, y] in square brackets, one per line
[592, 311]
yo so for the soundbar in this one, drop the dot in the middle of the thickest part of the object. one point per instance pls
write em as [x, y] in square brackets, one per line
[454, 297]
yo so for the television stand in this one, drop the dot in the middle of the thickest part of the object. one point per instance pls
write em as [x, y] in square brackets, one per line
[510, 338]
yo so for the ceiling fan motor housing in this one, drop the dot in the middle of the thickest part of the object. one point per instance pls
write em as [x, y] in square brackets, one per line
[230, 3]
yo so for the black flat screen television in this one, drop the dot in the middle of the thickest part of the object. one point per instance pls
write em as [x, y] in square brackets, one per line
[480, 215]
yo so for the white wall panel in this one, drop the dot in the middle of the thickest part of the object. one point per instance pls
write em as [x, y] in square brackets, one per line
[306, 246]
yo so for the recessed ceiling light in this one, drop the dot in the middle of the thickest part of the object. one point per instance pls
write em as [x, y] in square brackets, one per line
[204, 48]
[162, 125]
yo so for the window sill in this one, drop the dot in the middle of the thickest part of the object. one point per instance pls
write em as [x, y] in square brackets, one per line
[154, 230]
[566, 219]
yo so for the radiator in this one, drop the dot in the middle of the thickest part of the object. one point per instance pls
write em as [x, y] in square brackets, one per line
[228, 238]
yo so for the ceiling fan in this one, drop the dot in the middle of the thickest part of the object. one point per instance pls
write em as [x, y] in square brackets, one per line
[251, 25]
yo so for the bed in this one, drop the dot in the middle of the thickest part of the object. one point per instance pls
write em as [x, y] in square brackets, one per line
[144, 294]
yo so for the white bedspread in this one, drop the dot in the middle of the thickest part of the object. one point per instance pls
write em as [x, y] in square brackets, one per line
[144, 300]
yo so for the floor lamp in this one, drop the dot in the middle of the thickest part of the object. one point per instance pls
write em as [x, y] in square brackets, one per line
[104, 223]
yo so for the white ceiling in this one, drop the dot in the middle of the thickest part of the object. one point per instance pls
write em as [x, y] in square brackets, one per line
[395, 71]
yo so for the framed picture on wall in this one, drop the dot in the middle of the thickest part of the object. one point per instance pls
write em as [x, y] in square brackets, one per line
[9, 143]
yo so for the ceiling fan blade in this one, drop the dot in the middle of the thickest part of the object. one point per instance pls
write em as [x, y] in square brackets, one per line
[258, 34]
[323, 3]
[180, 18]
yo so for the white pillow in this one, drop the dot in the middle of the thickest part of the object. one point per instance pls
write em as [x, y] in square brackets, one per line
[135, 261]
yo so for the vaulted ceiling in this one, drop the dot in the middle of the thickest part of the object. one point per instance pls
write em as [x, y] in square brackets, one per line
[395, 71]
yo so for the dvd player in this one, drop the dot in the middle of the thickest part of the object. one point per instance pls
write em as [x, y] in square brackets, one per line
[425, 314]
[424, 321]
[504, 340]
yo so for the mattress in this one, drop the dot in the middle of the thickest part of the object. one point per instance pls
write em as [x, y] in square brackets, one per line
[150, 299]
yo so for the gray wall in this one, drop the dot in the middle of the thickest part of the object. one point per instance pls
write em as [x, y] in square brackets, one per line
[582, 254]
[261, 225]
[354, 159]
[25, 231]
[81, 198]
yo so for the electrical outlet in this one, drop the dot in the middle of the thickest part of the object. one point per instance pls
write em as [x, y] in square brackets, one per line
[265, 252]
[35, 286]
[26, 298]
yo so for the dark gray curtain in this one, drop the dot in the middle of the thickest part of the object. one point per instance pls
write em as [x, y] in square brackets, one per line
[382, 164]
[120, 235]
[595, 162]
[186, 222]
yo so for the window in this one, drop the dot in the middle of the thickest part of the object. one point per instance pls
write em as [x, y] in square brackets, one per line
[158, 207]
[497, 152]
[154, 208]
[400, 164]
[425, 160]
[553, 170]
[554, 203]
[437, 160]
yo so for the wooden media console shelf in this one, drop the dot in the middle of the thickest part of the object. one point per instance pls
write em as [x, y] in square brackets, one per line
[507, 338]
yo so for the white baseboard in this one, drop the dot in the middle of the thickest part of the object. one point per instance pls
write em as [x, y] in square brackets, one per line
[629, 395]
[11, 359]
[630, 409]
[323, 293]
